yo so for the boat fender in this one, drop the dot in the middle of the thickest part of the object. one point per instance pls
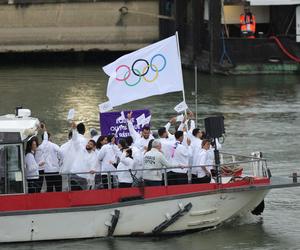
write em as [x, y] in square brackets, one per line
[173, 218]
[113, 223]
[180, 205]
[259, 209]
[168, 216]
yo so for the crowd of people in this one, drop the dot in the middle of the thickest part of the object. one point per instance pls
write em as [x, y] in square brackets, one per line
[101, 162]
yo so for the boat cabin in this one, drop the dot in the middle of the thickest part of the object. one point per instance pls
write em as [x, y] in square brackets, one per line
[15, 131]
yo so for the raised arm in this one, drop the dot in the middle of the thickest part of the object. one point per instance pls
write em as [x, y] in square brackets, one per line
[135, 135]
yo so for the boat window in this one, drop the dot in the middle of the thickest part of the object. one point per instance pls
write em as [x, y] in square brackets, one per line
[11, 176]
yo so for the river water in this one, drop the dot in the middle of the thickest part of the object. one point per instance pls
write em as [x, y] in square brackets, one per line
[261, 113]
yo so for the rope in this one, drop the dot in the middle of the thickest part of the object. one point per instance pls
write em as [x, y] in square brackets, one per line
[224, 55]
[224, 19]
[284, 50]
[124, 10]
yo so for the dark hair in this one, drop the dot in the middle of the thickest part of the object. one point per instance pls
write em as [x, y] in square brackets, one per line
[204, 142]
[146, 128]
[47, 134]
[93, 132]
[161, 131]
[92, 141]
[81, 128]
[150, 145]
[129, 153]
[129, 140]
[123, 143]
[29, 144]
[100, 139]
[70, 134]
[196, 131]
[109, 137]
[178, 134]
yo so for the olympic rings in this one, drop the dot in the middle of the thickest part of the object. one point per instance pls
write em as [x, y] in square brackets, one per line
[165, 62]
[133, 69]
[128, 69]
[156, 74]
[133, 84]
[142, 73]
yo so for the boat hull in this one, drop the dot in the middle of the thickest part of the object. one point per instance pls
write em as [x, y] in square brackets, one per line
[138, 217]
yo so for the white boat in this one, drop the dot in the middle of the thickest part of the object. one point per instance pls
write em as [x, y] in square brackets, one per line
[117, 211]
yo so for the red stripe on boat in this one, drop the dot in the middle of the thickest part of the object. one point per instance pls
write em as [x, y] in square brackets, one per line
[38, 201]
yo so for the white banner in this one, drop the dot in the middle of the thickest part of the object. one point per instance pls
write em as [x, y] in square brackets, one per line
[153, 70]
[71, 115]
[105, 106]
[181, 107]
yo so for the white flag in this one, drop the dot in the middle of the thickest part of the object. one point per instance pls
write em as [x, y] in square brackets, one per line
[71, 115]
[181, 107]
[153, 70]
[147, 121]
[104, 107]
[140, 119]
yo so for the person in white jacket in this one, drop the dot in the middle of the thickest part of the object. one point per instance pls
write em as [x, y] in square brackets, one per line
[107, 157]
[180, 158]
[154, 159]
[84, 163]
[140, 140]
[32, 167]
[201, 174]
[52, 168]
[126, 163]
[137, 157]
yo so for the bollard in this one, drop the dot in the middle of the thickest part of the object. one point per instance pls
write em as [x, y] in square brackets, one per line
[295, 180]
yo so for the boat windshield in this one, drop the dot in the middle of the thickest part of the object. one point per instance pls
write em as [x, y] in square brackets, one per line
[11, 176]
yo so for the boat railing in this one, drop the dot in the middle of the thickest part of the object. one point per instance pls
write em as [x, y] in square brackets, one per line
[230, 168]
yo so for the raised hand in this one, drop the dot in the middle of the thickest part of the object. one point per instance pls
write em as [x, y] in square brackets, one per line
[73, 125]
[173, 120]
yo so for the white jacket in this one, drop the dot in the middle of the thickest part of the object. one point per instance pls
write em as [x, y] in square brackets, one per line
[31, 167]
[180, 157]
[51, 155]
[154, 159]
[139, 141]
[125, 163]
[83, 161]
[201, 161]
[106, 155]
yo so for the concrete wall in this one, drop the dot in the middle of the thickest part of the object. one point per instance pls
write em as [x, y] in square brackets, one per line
[78, 26]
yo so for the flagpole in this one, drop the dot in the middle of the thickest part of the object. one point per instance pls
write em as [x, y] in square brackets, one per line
[196, 93]
[180, 69]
